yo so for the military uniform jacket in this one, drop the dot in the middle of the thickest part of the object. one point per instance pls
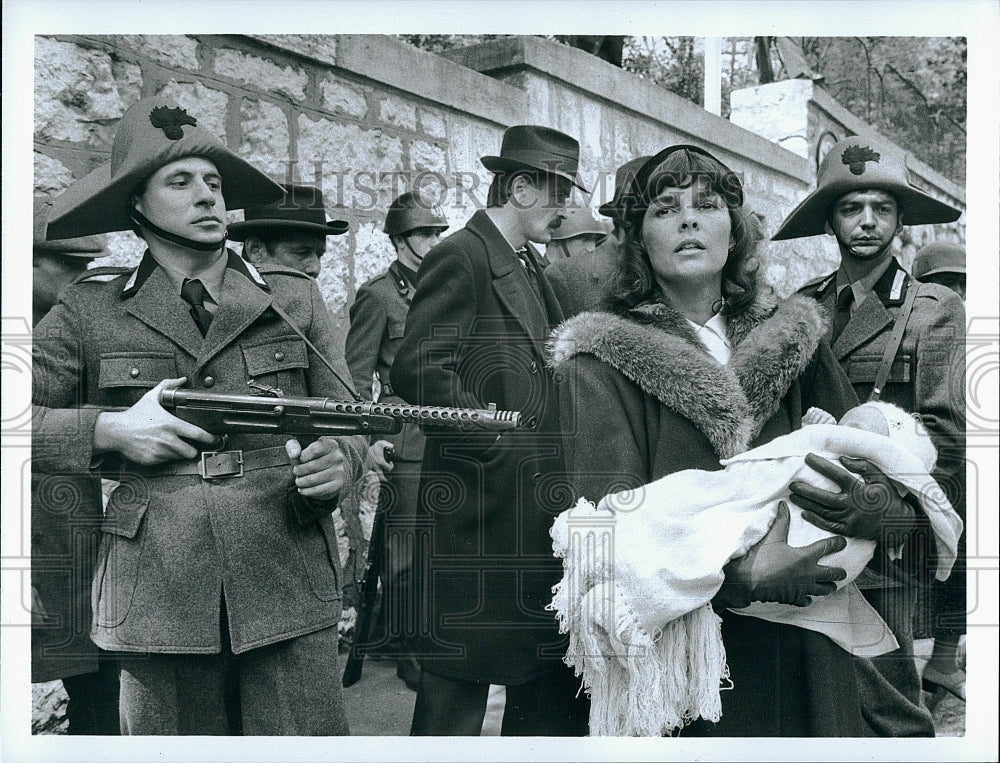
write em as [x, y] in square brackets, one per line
[475, 335]
[175, 545]
[378, 318]
[928, 373]
[579, 281]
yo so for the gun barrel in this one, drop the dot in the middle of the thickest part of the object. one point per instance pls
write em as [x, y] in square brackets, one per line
[483, 418]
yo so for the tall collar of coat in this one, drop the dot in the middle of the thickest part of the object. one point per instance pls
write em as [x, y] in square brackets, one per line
[148, 264]
[655, 347]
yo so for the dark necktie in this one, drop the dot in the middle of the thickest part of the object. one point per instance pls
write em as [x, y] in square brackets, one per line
[842, 313]
[529, 269]
[193, 292]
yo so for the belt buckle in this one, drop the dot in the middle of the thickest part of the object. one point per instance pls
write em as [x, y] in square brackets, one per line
[219, 464]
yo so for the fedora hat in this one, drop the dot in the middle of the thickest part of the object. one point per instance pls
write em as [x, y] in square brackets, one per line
[85, 247]
[532, 147]
[152, 132]
[624, 177]
[939, 257]
[412, 211]
[300, 210]
[856, 164]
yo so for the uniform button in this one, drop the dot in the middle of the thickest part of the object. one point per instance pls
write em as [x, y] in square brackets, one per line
[279, 355]
[533, 367]
[208, 381]
[133, 372]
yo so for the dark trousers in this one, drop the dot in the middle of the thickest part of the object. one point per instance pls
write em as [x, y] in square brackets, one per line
[92, 708]
[288, 688]
[553, 705]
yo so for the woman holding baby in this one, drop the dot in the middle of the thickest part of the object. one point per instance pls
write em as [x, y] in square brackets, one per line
[695, 360]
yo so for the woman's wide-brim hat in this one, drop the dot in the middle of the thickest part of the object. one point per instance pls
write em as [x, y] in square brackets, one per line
[533, 147]
[856, 164]
[152, 133]
[300, 210]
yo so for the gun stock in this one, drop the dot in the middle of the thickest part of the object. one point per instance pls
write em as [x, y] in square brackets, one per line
[366, 604]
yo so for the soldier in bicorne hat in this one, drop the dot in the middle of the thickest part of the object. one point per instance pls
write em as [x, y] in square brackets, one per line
[475, 334]
[218, 565]
[863, 198]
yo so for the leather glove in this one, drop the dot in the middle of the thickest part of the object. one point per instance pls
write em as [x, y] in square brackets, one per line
[774, 571]
[869, 508]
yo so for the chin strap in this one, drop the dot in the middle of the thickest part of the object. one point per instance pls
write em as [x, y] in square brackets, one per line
[140, 219]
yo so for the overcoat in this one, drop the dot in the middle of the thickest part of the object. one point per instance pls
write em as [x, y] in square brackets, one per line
[641, 398]
[475, 335]
[175, 544]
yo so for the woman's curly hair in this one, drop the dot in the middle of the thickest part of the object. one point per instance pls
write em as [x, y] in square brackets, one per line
[680, 167]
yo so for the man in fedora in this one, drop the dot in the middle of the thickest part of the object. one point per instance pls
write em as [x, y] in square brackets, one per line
[290, 232]
[218, 563]
[579, 280]
[378, 316]
[863, 198]
[475, 335]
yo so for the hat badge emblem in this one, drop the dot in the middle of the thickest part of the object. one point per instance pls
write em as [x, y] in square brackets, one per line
[856, 156]
[171, 121]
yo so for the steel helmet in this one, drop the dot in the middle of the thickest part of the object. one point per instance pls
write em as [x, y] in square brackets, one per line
[410, 212]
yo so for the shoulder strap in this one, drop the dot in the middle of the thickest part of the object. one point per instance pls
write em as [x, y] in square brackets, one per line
[285, 317]
[892, 346]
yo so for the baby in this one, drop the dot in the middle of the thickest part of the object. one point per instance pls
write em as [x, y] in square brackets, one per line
[642, 567]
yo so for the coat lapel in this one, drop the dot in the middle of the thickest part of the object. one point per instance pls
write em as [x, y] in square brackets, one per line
[511, 284]
[868, 320]
[241, 303]
[156, 304]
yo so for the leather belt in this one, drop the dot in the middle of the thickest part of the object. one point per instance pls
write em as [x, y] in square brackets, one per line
[217, 464]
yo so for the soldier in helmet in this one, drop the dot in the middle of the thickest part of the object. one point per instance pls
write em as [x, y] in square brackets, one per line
[942, 262]
[578, 234]
[378, 316]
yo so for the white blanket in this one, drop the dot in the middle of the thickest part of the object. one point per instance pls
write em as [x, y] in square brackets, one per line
[641, 568]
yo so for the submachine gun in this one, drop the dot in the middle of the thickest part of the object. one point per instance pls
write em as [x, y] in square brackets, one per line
[273, 412]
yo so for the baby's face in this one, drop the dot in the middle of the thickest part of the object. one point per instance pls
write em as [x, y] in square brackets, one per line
[867, 418]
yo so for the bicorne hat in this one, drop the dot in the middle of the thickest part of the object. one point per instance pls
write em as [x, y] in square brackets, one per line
[533, 147]
[301, 210]
[856, 164]
[85, 247]
[153, 132]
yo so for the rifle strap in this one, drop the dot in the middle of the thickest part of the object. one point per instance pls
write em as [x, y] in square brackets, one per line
[892, 346]
[285, 317]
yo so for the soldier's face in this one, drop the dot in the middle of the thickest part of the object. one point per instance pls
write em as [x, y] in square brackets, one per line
[185, 198]
[865, 223]
[420, 241]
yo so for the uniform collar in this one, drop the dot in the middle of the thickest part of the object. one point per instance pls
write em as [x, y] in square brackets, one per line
[864, 285]
[212, 277]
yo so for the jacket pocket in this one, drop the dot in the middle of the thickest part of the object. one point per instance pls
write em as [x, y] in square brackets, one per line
[862, 369]
[279, 363]
[121, 554]
[317, 544]
[125, 376]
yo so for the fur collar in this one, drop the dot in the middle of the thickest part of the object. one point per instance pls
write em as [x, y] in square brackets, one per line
[654, 346]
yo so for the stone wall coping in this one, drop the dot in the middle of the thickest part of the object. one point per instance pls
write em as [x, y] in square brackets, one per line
[623, 89]
[826, 102]
[392, 62]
